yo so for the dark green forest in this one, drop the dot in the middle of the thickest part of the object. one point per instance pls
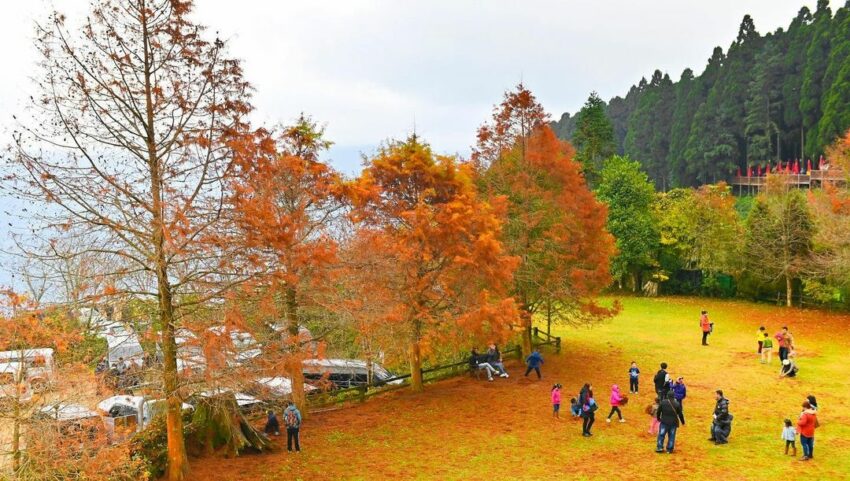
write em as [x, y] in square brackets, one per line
[780, 96]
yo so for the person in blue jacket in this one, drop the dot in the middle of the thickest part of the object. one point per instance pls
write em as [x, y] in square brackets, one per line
[534, 361]
[680, 392]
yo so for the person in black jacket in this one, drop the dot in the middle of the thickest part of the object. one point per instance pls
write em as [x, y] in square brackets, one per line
[588, 409]
[662, 381]
[669, 415]
[720, 428]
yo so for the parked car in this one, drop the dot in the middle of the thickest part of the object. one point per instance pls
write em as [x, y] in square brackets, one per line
[245, 402]
[277, 388]
[71, 420]
[345, 373]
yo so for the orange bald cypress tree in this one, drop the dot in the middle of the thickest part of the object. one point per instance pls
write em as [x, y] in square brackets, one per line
[554, 223]
[442, 272]
[285, 202]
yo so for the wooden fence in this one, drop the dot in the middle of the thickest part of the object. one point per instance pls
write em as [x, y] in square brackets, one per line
[338, 398]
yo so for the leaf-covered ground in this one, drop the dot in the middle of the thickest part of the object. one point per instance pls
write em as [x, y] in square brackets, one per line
[474, 430]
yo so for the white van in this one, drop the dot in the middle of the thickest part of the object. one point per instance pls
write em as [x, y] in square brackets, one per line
[38, 370]
[125, 415]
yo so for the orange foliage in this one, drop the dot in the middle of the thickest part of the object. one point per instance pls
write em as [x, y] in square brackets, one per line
[284, 201]
[431, 262]
[556, 226]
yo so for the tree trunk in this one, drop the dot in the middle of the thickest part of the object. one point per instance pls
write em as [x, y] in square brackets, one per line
[177, 463]
[16, 434]
[296, 372]
[416, 383]
[788, 290]
[527, 344]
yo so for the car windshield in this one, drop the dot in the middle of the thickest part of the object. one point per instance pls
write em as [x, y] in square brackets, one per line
[381, 373]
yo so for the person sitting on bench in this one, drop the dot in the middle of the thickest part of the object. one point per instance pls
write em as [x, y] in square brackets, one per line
[479, 362]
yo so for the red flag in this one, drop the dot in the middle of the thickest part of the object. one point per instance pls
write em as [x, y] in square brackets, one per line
[739, 171]
[749, 171]
[810, 166]
[758, 170]
[797, 167]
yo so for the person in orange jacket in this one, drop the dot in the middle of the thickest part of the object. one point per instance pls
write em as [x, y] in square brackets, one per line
[705, 324]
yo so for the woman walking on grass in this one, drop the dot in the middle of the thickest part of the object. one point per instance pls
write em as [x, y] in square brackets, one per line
[588, 409]
[806, 427]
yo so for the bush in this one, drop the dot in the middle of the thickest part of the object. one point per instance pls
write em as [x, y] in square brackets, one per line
[151, 445]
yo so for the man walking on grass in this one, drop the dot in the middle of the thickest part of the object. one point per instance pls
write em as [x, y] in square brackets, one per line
[786, 343]
[669, 416]
[662, 381]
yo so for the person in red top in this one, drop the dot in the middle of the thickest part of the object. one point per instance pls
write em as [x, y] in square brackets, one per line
[705, 324]
[806, 427]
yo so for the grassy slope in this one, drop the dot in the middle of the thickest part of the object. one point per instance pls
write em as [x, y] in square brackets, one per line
[470, 430]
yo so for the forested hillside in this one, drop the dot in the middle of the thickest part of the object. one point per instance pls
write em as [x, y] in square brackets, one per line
[780, 96]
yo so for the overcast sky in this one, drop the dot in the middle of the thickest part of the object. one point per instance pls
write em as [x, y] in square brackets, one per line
[367, 69]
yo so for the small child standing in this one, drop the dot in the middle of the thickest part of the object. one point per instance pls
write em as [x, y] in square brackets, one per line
[789, 434]
[556, 400]
[652, 410]
[634, 372]
[575, 409]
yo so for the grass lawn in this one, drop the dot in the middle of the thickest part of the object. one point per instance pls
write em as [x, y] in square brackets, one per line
[475, 430]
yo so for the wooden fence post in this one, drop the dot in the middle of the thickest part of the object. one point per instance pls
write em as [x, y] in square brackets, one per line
[557, 344]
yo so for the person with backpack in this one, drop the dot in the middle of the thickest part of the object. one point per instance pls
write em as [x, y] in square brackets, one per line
[706, 327]
[272, 424]
[534, 361]
[662, 381]
[669, 416]
[588, 409]
[292, 420]
[806, 427]
[721, 411]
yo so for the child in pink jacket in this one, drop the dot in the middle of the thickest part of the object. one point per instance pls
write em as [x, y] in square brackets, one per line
[556, 400]
[616, 402]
